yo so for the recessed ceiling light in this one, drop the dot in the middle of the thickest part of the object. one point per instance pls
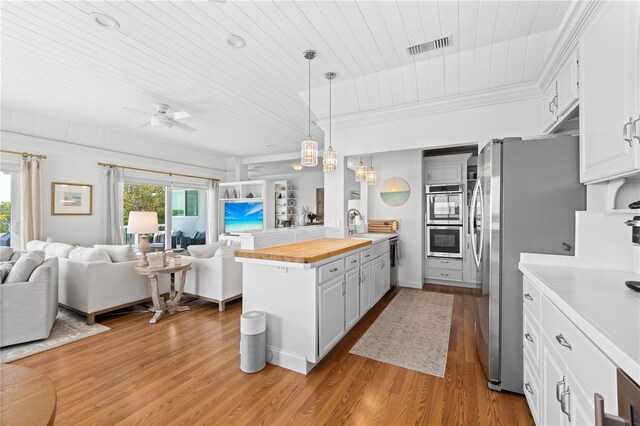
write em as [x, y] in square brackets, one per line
[235, 41]
[104, 21]
[271, 145]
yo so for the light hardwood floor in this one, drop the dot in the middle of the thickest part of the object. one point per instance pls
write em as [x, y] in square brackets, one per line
[185, 370]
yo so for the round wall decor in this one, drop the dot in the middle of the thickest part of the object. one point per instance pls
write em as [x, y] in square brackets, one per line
[395, 191]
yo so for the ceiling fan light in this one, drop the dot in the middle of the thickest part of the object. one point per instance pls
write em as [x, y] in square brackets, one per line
[372, 176]
[329, 160]
[361, 172]
[161, 121]
[297, 166]
[309, 153]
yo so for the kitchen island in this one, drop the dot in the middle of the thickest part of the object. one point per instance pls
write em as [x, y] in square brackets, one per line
[313, 293]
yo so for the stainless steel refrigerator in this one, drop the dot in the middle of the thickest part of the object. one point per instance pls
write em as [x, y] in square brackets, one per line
[525, 200]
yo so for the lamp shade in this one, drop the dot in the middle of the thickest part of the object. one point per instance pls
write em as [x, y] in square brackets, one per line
[142, 223]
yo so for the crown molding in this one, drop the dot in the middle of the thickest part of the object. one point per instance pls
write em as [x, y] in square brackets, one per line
[576, 19]
[447, 104]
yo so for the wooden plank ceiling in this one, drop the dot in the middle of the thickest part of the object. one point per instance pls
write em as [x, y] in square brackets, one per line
[253, 101]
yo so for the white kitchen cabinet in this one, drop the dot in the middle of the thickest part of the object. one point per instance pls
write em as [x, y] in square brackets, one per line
[550, 113]
[553, 377]
[444, 173]
[352, 298]
[609, 94]
[365, 288]
[331, 311]
[376, 280]
[385, 281]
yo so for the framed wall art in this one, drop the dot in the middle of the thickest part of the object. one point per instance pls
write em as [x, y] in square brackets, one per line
[71, 199]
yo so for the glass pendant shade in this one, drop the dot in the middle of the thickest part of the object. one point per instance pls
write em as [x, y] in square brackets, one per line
[329, 160]
[309, 153]
[361, 172]
[297, 166]
[372, 176]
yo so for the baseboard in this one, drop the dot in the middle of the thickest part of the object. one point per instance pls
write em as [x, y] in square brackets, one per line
[284, 359]
[461, 284]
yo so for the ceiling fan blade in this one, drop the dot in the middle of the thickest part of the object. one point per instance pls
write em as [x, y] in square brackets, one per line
[144, 124]
[183, 126]
[136, 110]
[180, 115]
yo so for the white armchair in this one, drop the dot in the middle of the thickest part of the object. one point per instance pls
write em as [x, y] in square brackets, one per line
[216, 279]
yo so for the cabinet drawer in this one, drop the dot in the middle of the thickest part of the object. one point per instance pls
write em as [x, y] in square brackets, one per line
[532, 390]
[352, 261]
[380, 248]
[444, 274]
[531, 338]
[531, 296]
[365, 255]
[454, 264]
[331, 270]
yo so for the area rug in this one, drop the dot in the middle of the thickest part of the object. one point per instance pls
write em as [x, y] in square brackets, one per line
[69, 327]
[412, 332]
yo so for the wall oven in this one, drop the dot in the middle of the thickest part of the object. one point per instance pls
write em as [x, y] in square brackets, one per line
[445, 241]
[444, 205]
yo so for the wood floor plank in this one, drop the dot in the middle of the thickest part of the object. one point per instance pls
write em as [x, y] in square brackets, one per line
[184, 370]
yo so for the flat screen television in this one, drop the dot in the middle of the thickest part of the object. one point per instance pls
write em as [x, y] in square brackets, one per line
[243, 216]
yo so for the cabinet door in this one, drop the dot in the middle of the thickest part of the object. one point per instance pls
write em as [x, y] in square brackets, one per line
[331, 314]
[609, 92]
[352, 298]
[567, 85]
[444, 173]
[549, 114]
[552, 375]
[365, 288]
[386, 274]
[376, 279]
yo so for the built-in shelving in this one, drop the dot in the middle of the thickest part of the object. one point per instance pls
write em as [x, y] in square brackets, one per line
[285, 203]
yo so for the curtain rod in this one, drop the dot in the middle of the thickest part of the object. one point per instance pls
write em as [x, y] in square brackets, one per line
[157, 171]
[24, 154]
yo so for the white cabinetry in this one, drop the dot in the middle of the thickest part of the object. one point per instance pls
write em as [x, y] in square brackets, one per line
[376, 279]
[609, 93]
[562, 95]
[550, 116]
[571, 367]
[352, 298]
[331, 313]
[444, 173]
[365, 288]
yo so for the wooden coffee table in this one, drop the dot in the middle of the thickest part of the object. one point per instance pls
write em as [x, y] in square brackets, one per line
[27, 397]
[160, 306]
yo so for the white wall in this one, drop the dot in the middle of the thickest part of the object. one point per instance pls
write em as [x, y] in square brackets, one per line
[76, 164]
[407, 165]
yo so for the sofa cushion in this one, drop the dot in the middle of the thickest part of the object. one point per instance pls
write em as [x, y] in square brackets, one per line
[205, 250]
[37, 245]
[24, 267]
[89, 254]
[5, 254]
[58, 249]
[227, 250]
[118, 253]
[5, 268]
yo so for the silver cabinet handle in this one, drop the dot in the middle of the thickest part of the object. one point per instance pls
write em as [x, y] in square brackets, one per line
[362, 279]
[558, 384]
[333, 269]
[604, 419]
[564, 403]
[635, 134]
[528, 296]
[382, 267]
[626, 135]
[555, 101]
[563, 342]
[528, 387]
[444, 261]
[366, 255]
[444, 275]
[528, 337]
[550, 107]
[353, 261]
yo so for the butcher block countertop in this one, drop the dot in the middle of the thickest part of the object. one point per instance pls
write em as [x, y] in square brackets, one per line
[306, 251]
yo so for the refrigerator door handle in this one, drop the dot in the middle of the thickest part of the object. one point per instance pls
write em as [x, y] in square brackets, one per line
[476, 253]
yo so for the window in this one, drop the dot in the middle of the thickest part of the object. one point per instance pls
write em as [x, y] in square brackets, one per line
[5, 209]
[148, 198]
[184, 202]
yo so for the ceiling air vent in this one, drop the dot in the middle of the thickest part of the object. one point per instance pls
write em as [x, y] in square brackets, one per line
[439, 43]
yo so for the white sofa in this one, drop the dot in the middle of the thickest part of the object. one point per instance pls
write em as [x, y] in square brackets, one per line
[216, 279]
[92, 288]
[28, 309]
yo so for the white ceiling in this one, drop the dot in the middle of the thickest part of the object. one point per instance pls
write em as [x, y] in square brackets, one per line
[55, 60]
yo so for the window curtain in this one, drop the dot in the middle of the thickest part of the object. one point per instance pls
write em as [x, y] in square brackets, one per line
[30, 201]
[213, 198]
[113, 206]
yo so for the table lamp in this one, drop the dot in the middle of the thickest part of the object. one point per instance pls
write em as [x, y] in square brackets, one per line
[143, 223]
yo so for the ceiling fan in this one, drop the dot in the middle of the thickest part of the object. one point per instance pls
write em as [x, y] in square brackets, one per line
[163, 118]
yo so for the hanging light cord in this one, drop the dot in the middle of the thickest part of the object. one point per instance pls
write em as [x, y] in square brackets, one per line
[309, 97]
[330, 113]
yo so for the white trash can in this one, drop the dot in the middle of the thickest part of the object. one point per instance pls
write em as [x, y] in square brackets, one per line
[253, 346]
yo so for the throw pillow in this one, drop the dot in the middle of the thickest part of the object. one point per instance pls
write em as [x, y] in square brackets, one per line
[88, 254]
[37, 245]
[24, 267]
[204, 250]
[123, 253]
[5, 268]
[58, 249]
[5, 254]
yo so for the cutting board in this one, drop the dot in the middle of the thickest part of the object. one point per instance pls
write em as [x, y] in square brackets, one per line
[383, 226]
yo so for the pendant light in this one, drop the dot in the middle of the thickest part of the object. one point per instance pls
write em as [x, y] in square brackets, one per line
[309, 147]
[372, 176]
[361, 172]
[330, 157]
